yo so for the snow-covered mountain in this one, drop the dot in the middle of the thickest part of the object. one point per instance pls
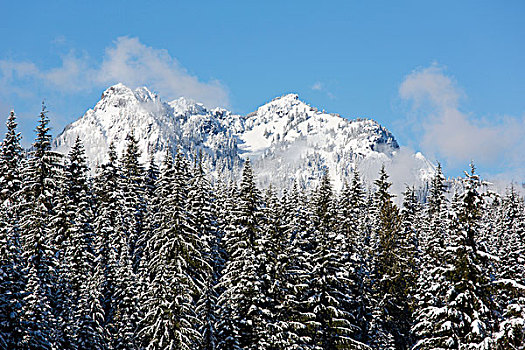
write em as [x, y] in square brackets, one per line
[286, 139]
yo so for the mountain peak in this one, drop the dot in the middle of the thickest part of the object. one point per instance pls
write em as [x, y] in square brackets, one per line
[186, 106]
[120, 90]
[282, 105]
[120, 95]
[117, 89]
[287, 97]
[143, 94]
[285, 100]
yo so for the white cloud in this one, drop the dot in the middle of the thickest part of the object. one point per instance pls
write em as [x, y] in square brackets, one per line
[12, 69]
[127, 61]
[59, 40]
[318, 86]
[453, 135]
[72, 76]
[135, 64]
[12, 72]
[430, 85]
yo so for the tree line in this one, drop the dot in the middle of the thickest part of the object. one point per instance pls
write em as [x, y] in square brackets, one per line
[164, 257]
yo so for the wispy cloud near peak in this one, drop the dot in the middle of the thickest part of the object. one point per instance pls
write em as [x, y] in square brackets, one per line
[128, 61]
[448, 133]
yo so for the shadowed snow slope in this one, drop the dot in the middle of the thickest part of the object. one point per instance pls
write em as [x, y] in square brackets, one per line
[286, 139]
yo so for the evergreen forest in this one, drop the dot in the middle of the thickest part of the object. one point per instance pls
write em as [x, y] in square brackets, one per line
[165, 256]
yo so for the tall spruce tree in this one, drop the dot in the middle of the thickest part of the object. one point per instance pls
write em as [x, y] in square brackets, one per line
[11, 264]
[407, 248]
[351, 225]
[10, 161]
[170, 321]
[79, 252]
[432, 285]
[150, 181]
[239, 303]
[464, 319]
[226, 203]
[386, 329]
[298, 230]
[202, 206]
[272, 263]
[510, 277]
[108, 247]
[470, 296]
[329, 293]
[134, 199]
[39, 247]
[79, 255]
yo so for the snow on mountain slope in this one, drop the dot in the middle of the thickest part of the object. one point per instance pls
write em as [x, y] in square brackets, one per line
[289, 139]
[286, 139]
[155, 124]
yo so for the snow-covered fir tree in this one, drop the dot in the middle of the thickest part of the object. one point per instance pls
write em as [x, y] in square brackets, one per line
[40, 188]
[240, 303]
[431, 285]
[408, 260]
[469, 298]
[330, 296]
[10, 161]
[387, 273]
[79, 250]
[202, 208]
[510, 283]
[297, 228]
[351, 225]
[170, 320]
[272, 263]
[463, 320]
[134, 199]
[107, 246]
[12, 278]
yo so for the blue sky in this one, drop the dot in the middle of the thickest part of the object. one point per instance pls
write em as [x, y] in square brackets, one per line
[446, 77]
